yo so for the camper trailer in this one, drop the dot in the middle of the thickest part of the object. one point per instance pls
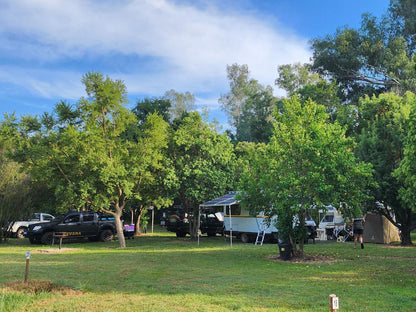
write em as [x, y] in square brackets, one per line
[331, 218]
[246, 227]
[240, 223]
[331, 223]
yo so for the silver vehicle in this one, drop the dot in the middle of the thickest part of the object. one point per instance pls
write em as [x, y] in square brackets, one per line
[19, 228]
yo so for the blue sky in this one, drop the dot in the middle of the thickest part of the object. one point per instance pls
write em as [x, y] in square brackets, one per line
[156, 45]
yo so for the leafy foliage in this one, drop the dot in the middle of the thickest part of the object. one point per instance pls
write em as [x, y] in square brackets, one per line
[308, 162]
[248, 105]
[203, 161]
[384, 128]
[365, 61]
[402, 21]
[83, 155]
[180, 103]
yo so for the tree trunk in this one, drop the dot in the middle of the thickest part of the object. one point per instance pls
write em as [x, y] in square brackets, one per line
[193, 223]
[119, 224]
[138, 230]
[120, 232]
[302, 228]
[405, 237]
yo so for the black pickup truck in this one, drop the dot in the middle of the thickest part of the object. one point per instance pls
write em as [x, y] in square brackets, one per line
[177, 221]
[92, 225]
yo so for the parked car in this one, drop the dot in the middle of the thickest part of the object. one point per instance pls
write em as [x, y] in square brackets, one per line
[92, 225]
[19, 228]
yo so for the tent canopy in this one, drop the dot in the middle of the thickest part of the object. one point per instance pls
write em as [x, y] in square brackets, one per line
[226, 200]
[377, 229]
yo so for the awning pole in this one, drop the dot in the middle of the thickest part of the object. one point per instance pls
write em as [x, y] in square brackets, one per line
[231, 228]
[199, 220]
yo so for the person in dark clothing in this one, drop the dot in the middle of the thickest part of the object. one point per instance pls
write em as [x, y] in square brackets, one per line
[358, 229]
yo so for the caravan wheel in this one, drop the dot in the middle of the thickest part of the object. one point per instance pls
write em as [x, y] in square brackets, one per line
[245, 238]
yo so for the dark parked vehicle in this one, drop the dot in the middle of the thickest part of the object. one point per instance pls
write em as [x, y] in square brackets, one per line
[92, 225]
[177, 221]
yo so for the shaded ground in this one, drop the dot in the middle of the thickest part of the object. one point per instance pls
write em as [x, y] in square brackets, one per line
[39, 286]
[305, 259]
[53, 250]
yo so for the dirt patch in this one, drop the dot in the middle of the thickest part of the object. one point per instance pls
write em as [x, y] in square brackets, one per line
[54, 250]
[400, 246]
[312, 259]
[39, 286]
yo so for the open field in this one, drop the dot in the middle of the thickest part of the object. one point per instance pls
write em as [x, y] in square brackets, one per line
[162, 273]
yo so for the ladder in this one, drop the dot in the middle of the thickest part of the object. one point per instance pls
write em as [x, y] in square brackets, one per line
[261, 233]
[260, 237]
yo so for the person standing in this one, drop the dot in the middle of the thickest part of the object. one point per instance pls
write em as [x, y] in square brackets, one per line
[358, 229]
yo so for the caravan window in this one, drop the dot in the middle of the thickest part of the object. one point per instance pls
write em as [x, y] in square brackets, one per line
[235, 210]
[328, 218]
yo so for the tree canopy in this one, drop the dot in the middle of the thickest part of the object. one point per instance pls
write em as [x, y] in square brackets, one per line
[309, 162]
[203, 161]
[363, 61]
[384, 130]
[249, 106]
[82, 153]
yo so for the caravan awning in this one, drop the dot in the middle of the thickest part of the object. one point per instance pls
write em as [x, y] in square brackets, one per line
[225, 200]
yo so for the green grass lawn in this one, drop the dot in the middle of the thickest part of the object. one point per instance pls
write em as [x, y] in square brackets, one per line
[160, 272]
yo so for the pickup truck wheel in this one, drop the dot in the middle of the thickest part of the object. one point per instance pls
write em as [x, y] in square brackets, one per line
[20, 232]
[47, 238]
[180, 234]
[106, 235]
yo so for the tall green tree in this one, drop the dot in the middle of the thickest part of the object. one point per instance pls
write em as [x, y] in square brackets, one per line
[15, 187]
[180, 103]
[256, 122]
[300, 80]
[381, 143]
[82, 153]
[406, 177]
[402, 19]
[364, 61]
[308, 162]
[203, 162]
[293, 77]
[248, 105]
[233, 101]
[147, 106]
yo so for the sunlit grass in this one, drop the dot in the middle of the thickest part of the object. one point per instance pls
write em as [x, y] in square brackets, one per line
[160, 272]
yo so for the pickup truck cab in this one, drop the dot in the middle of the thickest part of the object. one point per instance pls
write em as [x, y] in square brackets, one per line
[19, 228]
[92, 225]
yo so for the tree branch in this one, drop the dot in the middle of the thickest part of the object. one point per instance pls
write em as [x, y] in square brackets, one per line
[60, 169]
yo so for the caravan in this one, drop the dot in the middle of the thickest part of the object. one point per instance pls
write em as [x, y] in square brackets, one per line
[331, 218]
[246, 227]
[238, 222]
[331, 224]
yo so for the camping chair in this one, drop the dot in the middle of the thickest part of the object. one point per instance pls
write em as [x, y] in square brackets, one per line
[344, 234]
[339, 232]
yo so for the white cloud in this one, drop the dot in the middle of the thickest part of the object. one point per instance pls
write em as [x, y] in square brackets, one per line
[191, 45]
[44, 83]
